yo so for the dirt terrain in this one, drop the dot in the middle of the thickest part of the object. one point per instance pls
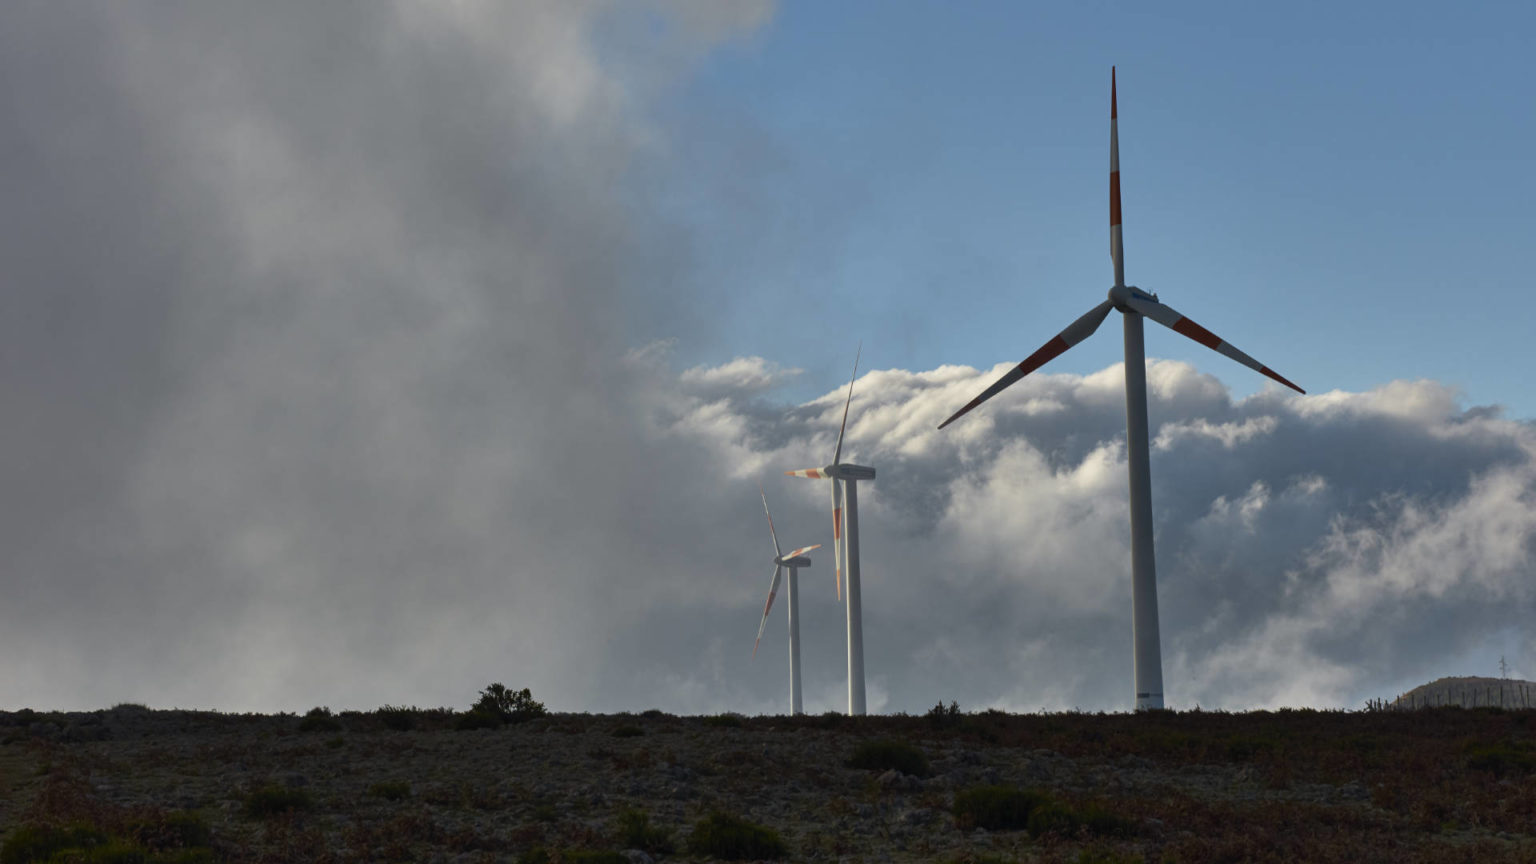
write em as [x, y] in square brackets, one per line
[404, 785]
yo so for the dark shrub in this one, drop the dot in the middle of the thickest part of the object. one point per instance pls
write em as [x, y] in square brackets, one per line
[884, 754]
[319, 719]
[397, 717]
[1501, 760]
[273, 799]
[941, 716]
[1101, 822]
[729, 721]
[1052, 817]
[39, 843]
[724, 836]
[477, 719]
[996, 808]
[177, 829]
[627, 732]
[513, 706]
[390, 790]
[636, 832]
[585, 856]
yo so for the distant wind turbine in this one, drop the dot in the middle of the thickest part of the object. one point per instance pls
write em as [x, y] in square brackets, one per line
[781, 562]
[845, 508]
[1134, 304]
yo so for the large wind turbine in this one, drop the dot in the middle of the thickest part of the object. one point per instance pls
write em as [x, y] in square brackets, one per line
[1134, 304]
[781, 562]
[845, 479]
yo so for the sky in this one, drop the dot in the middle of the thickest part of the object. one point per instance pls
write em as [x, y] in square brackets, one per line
[367, 353]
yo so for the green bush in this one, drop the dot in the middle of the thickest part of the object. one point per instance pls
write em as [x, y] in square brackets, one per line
[725, 836]
[636, 832]
[319, 719]
[1052, 817]
[40, 843]
[1501, 760]
[883, 754]
[512, 706]
[273, 799]
[996, 808]
[173, 838]
[1102, 822]
[391, 790]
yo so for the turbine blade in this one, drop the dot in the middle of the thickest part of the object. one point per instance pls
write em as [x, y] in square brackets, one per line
[773, 588]
[802, 550]
[1116, 246]
[837, 534]
[1175, 321]
[837, 454]
[1076, 332]
[812, 473]
[771, 532]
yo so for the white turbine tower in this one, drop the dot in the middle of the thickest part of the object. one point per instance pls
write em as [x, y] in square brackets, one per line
[1134, 304]
[845, 479]
[781, 562]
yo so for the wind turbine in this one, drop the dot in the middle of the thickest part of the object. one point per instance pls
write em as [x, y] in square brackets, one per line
[845, 479]
[781, 562]
[1134, 304]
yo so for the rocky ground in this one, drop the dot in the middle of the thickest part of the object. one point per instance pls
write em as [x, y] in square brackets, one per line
[1438, 785]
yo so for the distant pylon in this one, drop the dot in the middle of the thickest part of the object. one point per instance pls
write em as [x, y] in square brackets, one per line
[1503, 667]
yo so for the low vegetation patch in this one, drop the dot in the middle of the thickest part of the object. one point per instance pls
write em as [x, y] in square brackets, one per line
[1501, 760]
[728, 721]
[275, 799]
[885, 754]
[997, 808]
[724, 836]
[391, 790]
[627, 731]
[177, 837]
[1009, 808]
[637, 832]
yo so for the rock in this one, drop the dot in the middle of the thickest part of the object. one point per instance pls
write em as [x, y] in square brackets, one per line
[637, 856]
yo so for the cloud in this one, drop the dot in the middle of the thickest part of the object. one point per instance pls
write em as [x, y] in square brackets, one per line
[1312, 550]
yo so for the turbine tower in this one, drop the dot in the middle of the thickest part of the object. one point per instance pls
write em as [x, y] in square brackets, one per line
[781, 562]
[845, 479]
[1134, 305]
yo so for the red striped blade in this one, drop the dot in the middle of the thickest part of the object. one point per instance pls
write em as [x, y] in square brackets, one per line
[1175, 321]
[773, 589]
[837, 454]
[802, 550]
[1076, 332]
[1116, 241]
[812, 473]
[771, 532]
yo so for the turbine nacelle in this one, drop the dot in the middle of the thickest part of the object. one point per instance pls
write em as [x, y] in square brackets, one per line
[796, 561]
[1122, 295]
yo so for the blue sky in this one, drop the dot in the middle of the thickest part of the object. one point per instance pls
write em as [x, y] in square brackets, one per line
[1340, 192]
